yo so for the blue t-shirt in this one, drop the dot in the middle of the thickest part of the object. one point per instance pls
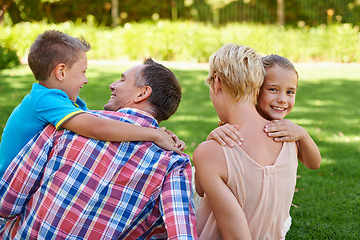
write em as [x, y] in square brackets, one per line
[39, 108]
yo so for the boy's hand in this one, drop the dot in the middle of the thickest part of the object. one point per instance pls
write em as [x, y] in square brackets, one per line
[224, 134]
[284, 131]
[166, 141]
[178, 143]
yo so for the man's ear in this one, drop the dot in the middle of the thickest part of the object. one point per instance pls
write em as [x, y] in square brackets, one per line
[144, 94]
[59, 71]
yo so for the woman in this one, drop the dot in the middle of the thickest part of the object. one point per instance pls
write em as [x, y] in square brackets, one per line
[247, 190]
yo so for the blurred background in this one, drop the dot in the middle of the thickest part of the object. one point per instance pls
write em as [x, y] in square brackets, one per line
[187, 30]
[116, 12]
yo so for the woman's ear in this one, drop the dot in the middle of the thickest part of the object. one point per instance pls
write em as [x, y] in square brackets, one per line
[59, 71]
[144, 94]
[217, 83]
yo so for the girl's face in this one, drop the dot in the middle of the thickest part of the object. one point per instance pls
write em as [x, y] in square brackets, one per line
[277, 94]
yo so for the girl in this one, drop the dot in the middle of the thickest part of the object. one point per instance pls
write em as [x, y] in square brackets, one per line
[276, 100]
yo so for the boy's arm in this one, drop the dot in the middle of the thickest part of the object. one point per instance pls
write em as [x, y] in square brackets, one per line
[103, 129]
[286, 131]
[211, 173]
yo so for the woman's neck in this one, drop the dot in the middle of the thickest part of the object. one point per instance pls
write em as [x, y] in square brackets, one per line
[242, 114]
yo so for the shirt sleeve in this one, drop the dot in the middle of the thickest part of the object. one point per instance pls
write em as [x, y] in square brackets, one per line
[23, 177]
[176, 204]
[56, 108]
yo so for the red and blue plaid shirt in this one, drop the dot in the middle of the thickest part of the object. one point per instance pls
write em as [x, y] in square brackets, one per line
[65, 186]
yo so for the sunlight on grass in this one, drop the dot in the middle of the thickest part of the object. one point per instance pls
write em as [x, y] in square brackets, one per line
[327, 161]
[327, 106]
[341, 138]
[193, 118]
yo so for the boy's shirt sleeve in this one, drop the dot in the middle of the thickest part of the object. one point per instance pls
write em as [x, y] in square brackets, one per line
[55, 107]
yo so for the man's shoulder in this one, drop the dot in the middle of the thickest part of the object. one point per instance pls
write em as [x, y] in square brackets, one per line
[175, 158]
[130, 115]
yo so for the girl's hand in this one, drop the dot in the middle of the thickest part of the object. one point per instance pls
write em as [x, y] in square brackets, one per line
[225, 134]
[284, 131]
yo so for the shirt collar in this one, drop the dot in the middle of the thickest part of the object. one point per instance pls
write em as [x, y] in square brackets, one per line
[148, 119]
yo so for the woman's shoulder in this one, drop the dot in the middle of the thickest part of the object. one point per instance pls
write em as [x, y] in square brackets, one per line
[209, 152]
[208, 147]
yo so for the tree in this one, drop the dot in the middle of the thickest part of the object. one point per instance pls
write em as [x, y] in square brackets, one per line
[216, 5]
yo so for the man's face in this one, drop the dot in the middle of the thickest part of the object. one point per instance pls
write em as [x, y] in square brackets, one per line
[124, 91]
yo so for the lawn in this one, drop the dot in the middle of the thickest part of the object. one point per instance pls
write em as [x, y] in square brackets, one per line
[326, 202]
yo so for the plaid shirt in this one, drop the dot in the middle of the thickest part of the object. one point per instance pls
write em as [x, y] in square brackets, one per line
[65, 186]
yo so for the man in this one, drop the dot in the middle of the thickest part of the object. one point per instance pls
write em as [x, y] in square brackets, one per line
[62, 185]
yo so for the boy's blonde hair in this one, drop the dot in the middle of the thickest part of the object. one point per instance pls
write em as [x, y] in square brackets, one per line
[240, 70]
[51, 48]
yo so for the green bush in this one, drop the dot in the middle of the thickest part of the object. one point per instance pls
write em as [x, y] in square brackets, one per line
[193, 41]
[8, 58]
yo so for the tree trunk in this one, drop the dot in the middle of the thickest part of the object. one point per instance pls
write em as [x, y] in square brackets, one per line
[280, 12]
[174, 14]
[114, 13]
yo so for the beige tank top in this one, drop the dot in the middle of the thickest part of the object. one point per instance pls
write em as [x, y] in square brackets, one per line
[265, 193]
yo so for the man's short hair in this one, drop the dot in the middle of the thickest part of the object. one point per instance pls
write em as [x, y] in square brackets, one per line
[240, 70]
[51, 48]
[166, 90]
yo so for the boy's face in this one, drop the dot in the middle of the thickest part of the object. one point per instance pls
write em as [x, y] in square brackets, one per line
[277, 94]
[75, 77]
[124, 91]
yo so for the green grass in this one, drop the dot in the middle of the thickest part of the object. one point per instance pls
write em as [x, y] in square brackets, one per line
[328, 199]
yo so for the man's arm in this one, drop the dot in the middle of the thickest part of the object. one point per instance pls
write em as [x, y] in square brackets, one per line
[287, 131]
[176, 204]
[23, 176]
[211, 173]
[90, 126]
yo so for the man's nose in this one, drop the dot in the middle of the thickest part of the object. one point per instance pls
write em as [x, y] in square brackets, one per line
[112, 85]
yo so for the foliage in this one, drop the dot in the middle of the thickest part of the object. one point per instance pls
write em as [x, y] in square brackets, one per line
[8, 58]
[326, 200]
[192, 41]
[310, 12]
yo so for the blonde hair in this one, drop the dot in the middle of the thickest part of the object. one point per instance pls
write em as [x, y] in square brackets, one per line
[240, 70]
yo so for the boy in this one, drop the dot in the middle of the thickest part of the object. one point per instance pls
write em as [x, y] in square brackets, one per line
[58, 61]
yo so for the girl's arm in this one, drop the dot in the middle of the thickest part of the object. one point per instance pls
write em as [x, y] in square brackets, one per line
[225, 135]
[103, 129]
[286, 131]
[211, 176]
